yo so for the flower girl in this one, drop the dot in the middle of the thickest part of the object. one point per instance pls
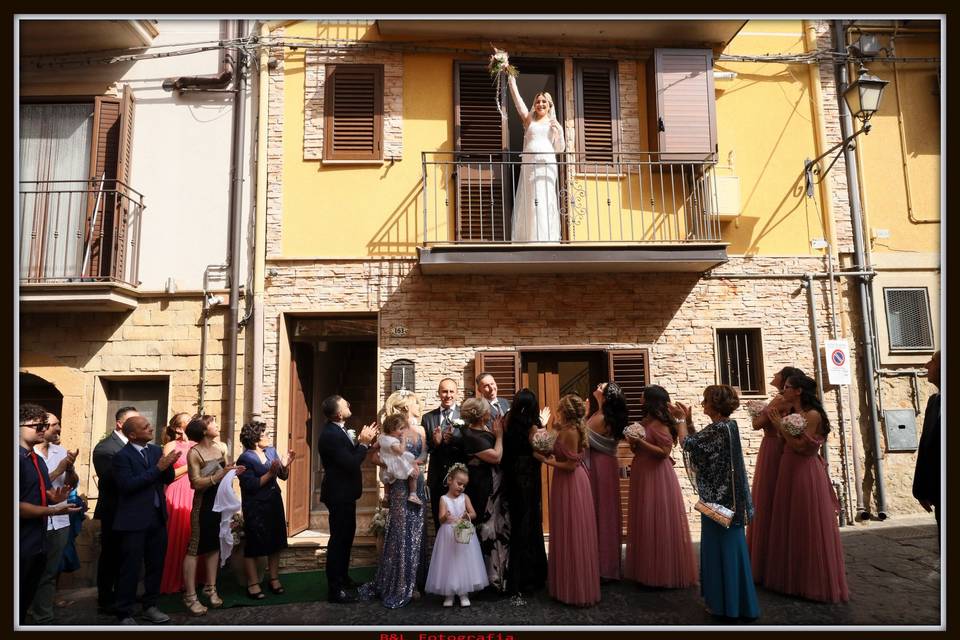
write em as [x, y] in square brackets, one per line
[398, 460]
[456, 568]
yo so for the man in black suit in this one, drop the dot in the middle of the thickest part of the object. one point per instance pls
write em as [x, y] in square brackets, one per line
[926, 478]
[108, 566]
[487, 388]
[444, 442]
[340, 489]
[141, 473]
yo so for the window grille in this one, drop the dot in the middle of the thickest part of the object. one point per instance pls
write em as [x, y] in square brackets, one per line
[908, 318]
[740, 360]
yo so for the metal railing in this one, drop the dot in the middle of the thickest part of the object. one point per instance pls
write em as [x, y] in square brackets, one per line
[79, 231]
[637, 197]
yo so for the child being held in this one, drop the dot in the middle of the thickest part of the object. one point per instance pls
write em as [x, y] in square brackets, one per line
[456, 568]
[398, 460]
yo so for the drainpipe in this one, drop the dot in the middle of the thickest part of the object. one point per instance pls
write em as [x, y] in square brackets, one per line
[853, 189]
[260, 233]
[815, 336]
[236, 229]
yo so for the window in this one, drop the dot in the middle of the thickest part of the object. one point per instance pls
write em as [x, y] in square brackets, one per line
[598, 114]
[683, 123]
[74, 164]
[908, 318]
[739, 359]
[353, 112]
[148, 396]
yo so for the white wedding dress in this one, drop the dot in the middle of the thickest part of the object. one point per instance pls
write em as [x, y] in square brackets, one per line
[536, 209]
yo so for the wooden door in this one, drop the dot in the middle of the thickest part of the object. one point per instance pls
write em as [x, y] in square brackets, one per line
[298, 484]
[483, 205]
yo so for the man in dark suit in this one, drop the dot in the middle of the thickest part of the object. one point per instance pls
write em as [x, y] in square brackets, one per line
[108, 566]
[487, 388]
[444, 442]
[340, 489]
[141, 473]
[926, 478]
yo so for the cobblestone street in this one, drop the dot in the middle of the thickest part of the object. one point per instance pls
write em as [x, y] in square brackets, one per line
[892, 568]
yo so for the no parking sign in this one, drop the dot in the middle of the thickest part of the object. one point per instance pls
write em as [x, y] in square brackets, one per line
[838, 361]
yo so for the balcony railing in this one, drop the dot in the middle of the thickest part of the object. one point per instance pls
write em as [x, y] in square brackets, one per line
[640, 197]
[79, 231]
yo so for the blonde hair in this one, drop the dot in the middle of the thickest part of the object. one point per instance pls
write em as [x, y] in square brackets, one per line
[473, 410]
[453, 470]
[571, 410]
[394, 423]
[401, 401]
[551, 112]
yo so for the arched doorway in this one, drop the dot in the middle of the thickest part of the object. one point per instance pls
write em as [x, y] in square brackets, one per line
[38, 391]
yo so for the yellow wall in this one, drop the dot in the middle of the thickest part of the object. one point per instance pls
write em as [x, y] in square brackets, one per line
[884, 187]
[765, 130]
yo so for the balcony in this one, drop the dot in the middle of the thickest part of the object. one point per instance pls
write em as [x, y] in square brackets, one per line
[79, 245]
[640, 211]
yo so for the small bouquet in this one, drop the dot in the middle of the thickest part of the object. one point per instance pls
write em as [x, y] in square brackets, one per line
[755, 407]
[543, 441]
[463, 531]
[499, 67]
[378, 523]
[457, 424]
[236, 526]
[795, 424]
[500, 63]
[635, 432]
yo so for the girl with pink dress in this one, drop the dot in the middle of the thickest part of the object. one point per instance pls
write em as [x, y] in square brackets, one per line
[573, 568]
[765, 475]
[659, 548]
[604, 431]
[807, 559]
[179, 503]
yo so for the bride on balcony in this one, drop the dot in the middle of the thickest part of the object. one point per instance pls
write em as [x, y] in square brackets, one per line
[536, 210]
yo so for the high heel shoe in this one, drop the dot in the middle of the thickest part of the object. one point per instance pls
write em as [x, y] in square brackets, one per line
[193, 605]
[276, 590]
[259, 595]
[210, 591]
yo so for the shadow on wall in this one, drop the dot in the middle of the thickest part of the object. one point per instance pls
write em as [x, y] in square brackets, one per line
[400, 234]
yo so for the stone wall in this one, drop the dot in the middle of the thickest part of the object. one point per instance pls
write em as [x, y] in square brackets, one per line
[160, 339]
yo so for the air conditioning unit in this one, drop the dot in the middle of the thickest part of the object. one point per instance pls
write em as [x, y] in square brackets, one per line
[726, 205]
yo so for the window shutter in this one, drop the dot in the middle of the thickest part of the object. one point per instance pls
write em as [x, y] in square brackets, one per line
[504, 366]
[597, 111]
[104, 163]
[630, 369]
[481, 141]
[122, 205]
[686, 126]
[353, 112]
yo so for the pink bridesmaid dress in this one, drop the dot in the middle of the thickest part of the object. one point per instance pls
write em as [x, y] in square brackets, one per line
[573, 570]
[764, 487]
[604, 470]
[179, 503]
[807, 559]
[659, 548]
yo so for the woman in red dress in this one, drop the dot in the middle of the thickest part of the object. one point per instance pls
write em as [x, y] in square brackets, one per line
[765, 473]
[573, 568]
[807, 559]
[179, 503]
[659, 549]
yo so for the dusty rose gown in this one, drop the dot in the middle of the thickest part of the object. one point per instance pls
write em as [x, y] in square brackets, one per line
[764, 487]
[604, 470]
[179, 503]
[573, 569]
[807, 560]
[659, 549]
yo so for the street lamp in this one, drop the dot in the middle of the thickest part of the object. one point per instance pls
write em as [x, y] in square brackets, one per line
[863, 100]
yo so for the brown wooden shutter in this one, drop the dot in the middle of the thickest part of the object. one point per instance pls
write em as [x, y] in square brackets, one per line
[121, 213]
[685, 104]
[504, 366]
[483, 205]
[104, 163]
[597, 111]
[630, 369]
[353, 112]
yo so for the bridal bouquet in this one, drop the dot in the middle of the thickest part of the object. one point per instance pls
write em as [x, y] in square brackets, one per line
[635, 431]
[756, 407]
[378, 523]
[795, 424]
[542, 441]
[498, 67]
